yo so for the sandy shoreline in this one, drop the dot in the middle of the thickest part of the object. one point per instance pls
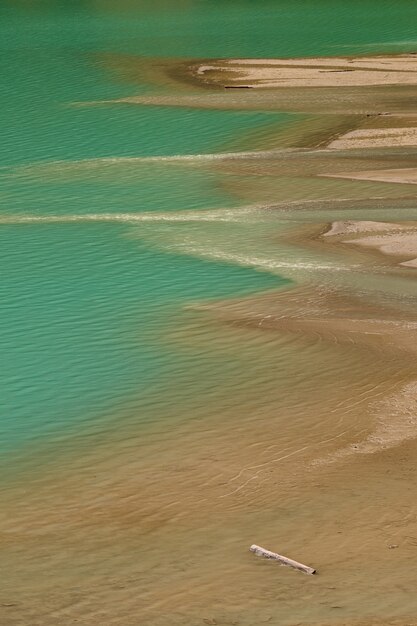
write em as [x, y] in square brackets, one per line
[312, 72]
[376, 138]
[313, 452]
[391, 239]
[406, 175]
[349, 73]
[378, 91]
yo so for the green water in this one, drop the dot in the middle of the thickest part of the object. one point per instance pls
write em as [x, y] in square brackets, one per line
[83, 303]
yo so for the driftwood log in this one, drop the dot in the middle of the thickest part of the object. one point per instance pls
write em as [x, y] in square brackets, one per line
[282, 559]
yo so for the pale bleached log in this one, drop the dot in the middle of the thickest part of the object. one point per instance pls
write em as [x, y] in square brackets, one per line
[282, 559]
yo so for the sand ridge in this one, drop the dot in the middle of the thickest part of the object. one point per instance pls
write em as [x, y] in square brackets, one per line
[392, 239]
[406, 175]
[311, 72]
[346, 73]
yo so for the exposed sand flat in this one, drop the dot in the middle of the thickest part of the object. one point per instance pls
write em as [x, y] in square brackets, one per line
[371, 84]
[407, 175]
[350, 226]
[398, 62]
[376, 138]
[312, 72]
[368, 226]
[392, 239]
[399, 244]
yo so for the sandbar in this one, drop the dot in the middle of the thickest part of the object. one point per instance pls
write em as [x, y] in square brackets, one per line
[376, 138]
[406, 175]
[392, 239]
[311, 72]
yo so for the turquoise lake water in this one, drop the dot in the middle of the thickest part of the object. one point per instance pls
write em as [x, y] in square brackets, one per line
[82, 302]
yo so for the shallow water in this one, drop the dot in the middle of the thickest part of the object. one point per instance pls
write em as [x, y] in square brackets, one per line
[157, 417]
